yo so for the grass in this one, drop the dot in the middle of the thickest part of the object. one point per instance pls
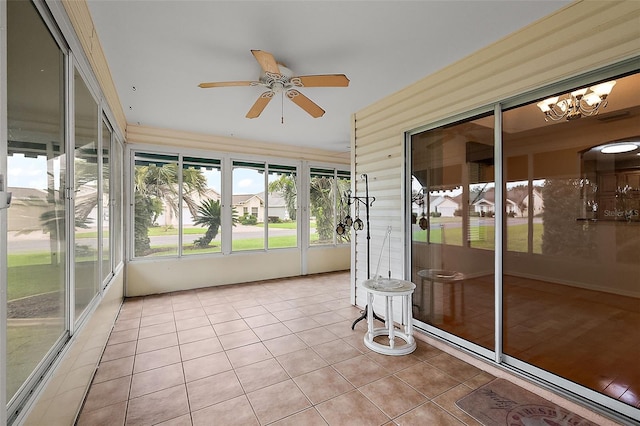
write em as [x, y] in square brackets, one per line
[517, 237]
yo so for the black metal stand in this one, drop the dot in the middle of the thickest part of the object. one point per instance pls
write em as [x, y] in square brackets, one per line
[368, 202]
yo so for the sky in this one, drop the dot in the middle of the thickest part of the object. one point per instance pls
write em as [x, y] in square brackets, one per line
[23, 172]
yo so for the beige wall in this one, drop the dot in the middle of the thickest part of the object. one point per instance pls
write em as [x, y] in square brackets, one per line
[63, 392]
[161, 276]
[581, 37]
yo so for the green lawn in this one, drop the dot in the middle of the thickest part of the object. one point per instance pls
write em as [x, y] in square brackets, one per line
[516, 237]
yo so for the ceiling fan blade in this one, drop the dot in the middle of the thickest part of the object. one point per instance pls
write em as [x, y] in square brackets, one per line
[305, 103]
[266, 61]
[260, 105]
[225, 84]
[328, 80]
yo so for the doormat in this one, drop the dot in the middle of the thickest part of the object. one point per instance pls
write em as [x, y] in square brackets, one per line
[501, 403]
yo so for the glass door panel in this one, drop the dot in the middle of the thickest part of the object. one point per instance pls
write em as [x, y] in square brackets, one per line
[86, 192]
[452, 249]
[572, 258]
[36, 161]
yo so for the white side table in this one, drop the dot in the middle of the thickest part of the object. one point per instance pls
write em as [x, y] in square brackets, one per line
[390, 288]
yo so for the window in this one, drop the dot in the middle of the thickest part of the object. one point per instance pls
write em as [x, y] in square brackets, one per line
[156, 204]
[282, 197]
[249, 197]
[107, 268]
[86, 197]
[201, 206]
[37, 220]
[571, 261]
[453, 227]
[327, 205]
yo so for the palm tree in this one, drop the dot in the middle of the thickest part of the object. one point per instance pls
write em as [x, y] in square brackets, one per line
[209, 216]
[286, 185]
[159, 184]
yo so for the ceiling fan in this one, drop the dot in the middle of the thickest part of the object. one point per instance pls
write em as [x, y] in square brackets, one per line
[279, 79]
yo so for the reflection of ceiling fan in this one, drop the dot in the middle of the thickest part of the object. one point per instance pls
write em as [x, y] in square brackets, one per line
[279, 79]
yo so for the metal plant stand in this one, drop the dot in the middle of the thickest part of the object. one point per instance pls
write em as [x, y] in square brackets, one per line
[358, 225]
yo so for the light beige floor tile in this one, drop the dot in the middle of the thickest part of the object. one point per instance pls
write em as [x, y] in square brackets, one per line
[158, 358]
[261, 320]
[213, 389]
[195, 334]
[360, 370]
[248, 354]
[427, 379]
[119, 350]
[323, 384]
[107, 393]
[336, 351]
[392, 396]
[271, 331]
[157, 379]
[157, 342]
[195, 322]
[301, 362]
[427, 414]
[157, 330]
[234, 412]
[205, 366]
[261, 374]
[285, 344]
[316, 336]
[110, 370]
[111, 415]
[308, 417]
[277, 401]
[158, 406]
[352, 409]
[240, 338]
[229, 327]
[200, 348]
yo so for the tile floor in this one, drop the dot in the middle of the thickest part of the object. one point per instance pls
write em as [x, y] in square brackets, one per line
[276, 352]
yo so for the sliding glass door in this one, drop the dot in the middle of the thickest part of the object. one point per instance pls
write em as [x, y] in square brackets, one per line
[568, 237]
[37, 220]
[572, 256]
[453, 228]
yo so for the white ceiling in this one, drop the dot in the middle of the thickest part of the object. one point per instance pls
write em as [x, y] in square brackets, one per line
[166, 48]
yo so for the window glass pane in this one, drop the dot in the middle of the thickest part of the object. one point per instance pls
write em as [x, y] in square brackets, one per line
[116, 203]
[86, 196]
[248, 201]
[201, 212]
[282, 202]
[106, 203]
[322, 199]
[452, 204]
[343, 183]
[36, 240]
[156, 205]
[572, 265]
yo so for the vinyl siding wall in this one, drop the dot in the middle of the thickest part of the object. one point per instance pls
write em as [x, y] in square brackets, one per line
[582, 37]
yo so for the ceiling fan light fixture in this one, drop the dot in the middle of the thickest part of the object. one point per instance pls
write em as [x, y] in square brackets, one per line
[277, 78]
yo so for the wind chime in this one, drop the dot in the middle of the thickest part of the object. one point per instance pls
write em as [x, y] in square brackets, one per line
[357, 224]
[421, 199]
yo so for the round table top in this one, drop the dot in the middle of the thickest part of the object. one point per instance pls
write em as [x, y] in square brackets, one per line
[388, 285]
[441, 275]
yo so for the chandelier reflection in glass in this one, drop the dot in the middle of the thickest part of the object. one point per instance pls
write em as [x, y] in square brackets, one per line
[579, 103]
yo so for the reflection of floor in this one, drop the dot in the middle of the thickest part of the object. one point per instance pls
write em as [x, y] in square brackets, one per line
[275, 352]
[589, 337]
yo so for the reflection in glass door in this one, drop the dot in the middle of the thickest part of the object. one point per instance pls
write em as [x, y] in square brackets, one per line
[572, 259]
[453, 228]
[36, 163]
[86, 195]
